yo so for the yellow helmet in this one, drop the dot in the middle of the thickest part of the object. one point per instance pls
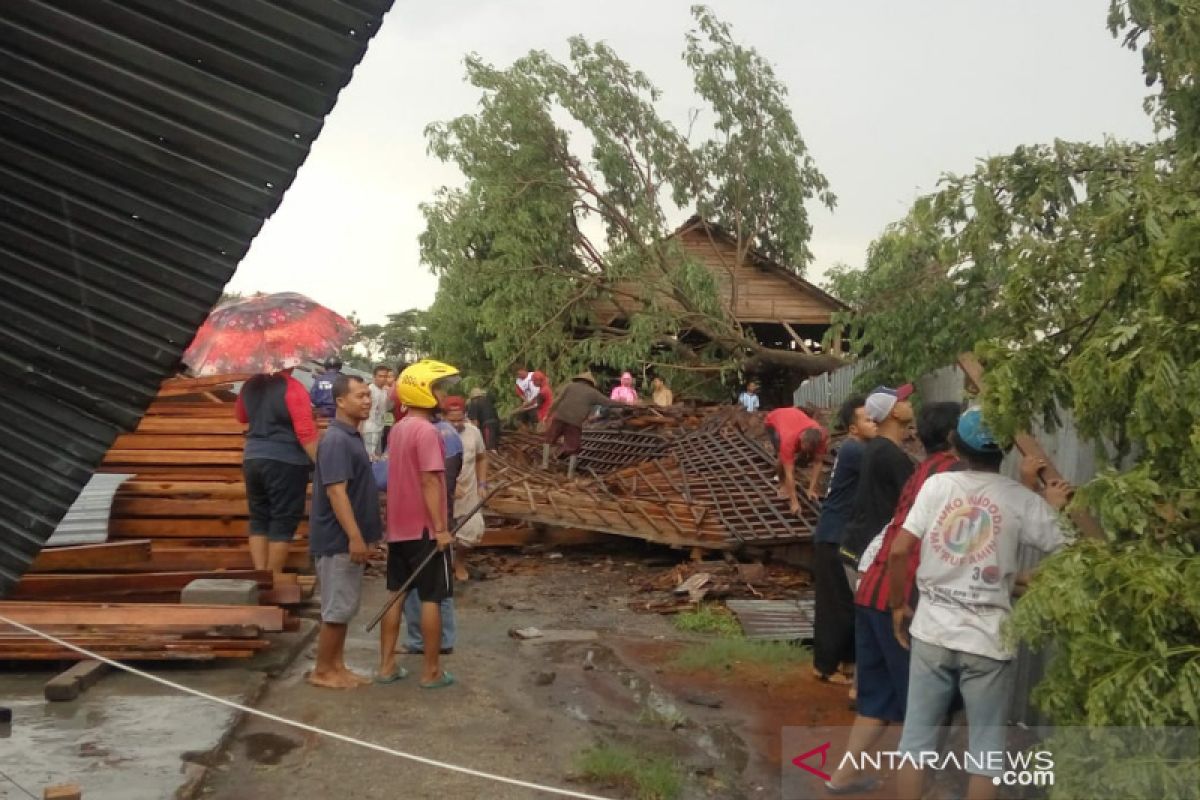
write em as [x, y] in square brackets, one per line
[415, 386]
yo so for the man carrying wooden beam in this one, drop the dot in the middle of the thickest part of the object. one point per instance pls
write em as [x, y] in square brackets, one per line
[344, 524]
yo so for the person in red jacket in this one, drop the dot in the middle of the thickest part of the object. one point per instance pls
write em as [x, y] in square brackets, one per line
[281, 446]
[797, 439]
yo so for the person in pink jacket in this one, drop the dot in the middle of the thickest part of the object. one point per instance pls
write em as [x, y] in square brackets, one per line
[625, 393]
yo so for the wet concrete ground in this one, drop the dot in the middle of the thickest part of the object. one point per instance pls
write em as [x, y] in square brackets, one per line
[506, 715]
[520, 709]
[123, 739]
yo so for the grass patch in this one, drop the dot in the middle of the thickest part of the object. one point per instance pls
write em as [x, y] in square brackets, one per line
[729, 653]
[647, 777]
[708, 618]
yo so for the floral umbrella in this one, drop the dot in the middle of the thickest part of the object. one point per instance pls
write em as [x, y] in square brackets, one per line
[266, 333]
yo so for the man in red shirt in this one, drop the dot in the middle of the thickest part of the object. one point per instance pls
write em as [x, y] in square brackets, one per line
[417, 519]
[797, 438]
[281, 446]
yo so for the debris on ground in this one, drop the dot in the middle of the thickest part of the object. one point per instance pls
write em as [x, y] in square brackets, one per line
[683, 586]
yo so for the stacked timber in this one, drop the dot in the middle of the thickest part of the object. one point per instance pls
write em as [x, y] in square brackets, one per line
[182, 516]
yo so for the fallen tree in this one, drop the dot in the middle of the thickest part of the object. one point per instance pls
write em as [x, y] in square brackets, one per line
[1073, 270]
[543, 229]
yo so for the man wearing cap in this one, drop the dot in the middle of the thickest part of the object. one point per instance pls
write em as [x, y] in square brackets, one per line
[570, 409]
[797, 438]
[968, 525]
[885, 469]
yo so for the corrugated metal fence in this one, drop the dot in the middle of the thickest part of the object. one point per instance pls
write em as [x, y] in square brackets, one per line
[831, 389]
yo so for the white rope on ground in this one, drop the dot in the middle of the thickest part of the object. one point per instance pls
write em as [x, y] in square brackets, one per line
[301, 725]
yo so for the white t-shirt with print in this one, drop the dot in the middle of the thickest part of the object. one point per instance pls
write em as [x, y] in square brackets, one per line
[970, 525]
[528, 389]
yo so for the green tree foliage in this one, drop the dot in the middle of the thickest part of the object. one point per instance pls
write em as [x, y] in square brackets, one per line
[571, 174]
[1072, 270]
[403, 338]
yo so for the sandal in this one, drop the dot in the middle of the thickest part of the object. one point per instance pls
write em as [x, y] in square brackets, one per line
[833, 677]
[400, 674]
[446, 680]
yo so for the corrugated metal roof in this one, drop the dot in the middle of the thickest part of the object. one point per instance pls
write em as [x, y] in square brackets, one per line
[775, 620]
[142, 145]
[86, 521]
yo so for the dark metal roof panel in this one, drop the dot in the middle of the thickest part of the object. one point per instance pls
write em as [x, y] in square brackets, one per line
[142, 145]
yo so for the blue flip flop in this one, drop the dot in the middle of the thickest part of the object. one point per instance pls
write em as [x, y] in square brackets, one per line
[441, 683]
[400, 674]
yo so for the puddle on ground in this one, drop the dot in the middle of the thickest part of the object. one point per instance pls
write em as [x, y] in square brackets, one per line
[267, 748]
[616, 687]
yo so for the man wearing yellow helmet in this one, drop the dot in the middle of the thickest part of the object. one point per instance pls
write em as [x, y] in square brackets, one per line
[417, 519]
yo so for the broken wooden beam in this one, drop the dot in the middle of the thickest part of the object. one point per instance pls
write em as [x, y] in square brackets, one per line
[75, 680]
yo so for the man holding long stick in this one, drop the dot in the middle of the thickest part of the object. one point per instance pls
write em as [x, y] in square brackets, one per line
[417, 519]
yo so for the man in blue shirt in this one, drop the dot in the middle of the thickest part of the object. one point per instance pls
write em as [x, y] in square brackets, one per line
[833, 627]
[321, 393]
[344, 523]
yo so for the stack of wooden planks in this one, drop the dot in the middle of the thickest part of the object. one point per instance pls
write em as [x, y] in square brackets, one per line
[141, 631]
[182, 517]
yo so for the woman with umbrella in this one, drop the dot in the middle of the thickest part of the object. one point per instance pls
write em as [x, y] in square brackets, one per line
[271, 334]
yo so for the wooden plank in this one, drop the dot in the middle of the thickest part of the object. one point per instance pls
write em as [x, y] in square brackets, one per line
[178, 472]
[158, 616]
[63, 791]
[1030, 447]
[176, 559]
[187, 458]
[178, 507]
[796, 338]
[176, 528]
[74, 681]
[133, 554]
[206, 489]
[178, 425]
[119, 585]
[179, 441]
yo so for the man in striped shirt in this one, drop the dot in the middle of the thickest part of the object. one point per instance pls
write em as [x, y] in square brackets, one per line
[882, 664]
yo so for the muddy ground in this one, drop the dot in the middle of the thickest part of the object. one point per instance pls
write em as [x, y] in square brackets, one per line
[528, 709]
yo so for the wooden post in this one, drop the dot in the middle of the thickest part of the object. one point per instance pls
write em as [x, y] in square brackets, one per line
[837, 341]
[1030, 447]
[796, 337]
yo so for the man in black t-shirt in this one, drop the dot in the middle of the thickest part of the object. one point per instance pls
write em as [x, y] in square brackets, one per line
[885, 469]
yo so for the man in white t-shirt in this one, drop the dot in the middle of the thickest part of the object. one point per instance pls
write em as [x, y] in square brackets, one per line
[381, 403]
[968, 525]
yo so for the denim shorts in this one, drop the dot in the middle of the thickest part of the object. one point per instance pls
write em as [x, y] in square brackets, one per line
[935, 673]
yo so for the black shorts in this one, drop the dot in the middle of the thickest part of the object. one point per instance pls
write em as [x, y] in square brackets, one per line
[435, 583]
[275, 492]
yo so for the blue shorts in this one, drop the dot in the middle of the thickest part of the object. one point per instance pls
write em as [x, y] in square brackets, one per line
[881, 666]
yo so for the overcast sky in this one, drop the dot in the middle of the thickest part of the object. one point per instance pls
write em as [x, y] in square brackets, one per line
[887, 93]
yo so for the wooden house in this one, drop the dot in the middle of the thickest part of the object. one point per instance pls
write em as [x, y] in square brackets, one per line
[779, 308]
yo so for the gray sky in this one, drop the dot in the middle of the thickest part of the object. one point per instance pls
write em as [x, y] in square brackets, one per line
[887, 93]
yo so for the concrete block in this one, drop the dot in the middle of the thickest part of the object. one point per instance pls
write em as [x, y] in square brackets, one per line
[220, 592]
